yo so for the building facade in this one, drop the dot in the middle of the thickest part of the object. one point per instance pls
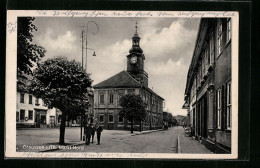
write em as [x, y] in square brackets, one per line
[31, 111]
[208, 86]
[133, 81]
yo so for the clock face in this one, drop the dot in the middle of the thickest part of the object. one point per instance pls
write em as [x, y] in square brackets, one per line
[133, 59]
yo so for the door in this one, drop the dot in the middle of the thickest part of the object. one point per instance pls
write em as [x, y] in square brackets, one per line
[40, 118]
[205, 117]
[52, 121]
[43, 121]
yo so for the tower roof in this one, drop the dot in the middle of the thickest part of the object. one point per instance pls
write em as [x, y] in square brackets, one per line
[136, 40]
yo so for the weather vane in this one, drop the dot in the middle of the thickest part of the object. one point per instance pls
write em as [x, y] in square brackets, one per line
[136, 27]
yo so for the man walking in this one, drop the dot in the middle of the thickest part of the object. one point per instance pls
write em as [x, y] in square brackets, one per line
[99, 130]
[93, 130]
[88, 134]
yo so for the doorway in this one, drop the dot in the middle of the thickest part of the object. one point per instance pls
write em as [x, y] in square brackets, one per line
[52, 121]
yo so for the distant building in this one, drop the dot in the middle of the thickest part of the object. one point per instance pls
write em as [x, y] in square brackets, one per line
[132, 81]
[30, 111]
[208, 86]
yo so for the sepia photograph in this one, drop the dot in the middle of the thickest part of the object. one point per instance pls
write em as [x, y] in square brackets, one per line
[122, 84]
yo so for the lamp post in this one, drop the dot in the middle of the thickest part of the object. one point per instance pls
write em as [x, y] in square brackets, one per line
[94, 54]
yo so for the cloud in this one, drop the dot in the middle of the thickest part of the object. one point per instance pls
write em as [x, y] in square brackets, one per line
[171, 41]
[109, 61]
[168, 68]
[61, 45]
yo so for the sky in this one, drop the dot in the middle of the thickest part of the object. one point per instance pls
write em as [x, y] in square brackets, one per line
[168, 45]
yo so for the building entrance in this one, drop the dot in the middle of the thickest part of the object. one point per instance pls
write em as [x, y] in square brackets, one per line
[40, 118]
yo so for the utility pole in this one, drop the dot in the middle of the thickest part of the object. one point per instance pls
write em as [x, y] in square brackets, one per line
[81, 119]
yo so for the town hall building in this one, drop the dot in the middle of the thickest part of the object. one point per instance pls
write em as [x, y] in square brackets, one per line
[132, 81]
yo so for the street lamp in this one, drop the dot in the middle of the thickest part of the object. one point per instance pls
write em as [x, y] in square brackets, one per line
[94, 33]
[94, 54]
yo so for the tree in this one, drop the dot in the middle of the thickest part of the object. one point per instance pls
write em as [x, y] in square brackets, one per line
[62, 84]
[28, 54]
[134, 108]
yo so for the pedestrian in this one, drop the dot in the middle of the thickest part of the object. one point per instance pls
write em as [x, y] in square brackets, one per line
[99, 130]
[88, 133]
[93, 130]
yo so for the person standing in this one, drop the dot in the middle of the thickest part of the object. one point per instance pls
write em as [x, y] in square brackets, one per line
[99, 130]
[88, 134]
[93, 130]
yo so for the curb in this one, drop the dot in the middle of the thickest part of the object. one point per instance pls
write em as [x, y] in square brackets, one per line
[140, 133]
[179, 144]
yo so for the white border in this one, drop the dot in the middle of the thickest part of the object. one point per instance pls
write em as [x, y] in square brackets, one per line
[11, 66]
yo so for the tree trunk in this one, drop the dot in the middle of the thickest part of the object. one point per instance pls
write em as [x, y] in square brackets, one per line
[132, 127]
[140, 126]
[62, 129]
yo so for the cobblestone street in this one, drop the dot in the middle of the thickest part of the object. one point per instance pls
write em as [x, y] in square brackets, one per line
[111, 141]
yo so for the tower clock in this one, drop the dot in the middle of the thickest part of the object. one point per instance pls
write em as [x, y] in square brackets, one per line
[135, 61]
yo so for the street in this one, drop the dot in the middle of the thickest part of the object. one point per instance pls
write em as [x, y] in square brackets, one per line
[114, 141]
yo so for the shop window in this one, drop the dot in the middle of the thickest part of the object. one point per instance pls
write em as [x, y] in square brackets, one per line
[22, 114]
[21, 98]
[229, 109]
[219, 108]
[110, 117]
[30, 114]
[101, 118]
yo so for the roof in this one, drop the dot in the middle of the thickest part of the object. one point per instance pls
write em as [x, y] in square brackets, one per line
[120, 80]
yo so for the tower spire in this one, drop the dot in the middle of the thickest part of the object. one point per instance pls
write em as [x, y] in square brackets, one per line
[136, 27]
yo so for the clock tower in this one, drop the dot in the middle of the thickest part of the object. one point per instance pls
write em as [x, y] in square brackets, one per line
[135, 61]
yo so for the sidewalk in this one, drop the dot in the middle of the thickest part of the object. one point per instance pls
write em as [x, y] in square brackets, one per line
[187, 144]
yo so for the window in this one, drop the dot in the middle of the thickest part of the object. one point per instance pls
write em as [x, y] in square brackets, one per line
[30, 99]
[219, 108]
[119, 97]
[22, 114]
[30, 115]
[130, 91]
[228, 30]
[37, 102]
[101, 99]
[203, 64]
[212, 47]
[17, 116]
[101, 118]
[21, 98]
[120, 119]
[219, 38]
[111, 98]
[229, 109]
[110, 117]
